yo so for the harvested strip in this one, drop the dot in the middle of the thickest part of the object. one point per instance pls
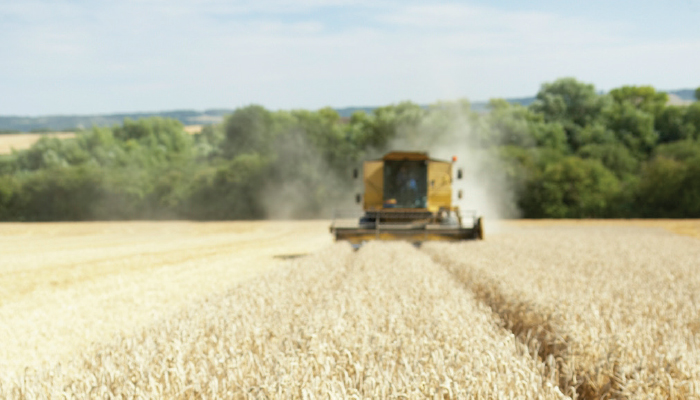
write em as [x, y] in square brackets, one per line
[385, 322]
[617, 308]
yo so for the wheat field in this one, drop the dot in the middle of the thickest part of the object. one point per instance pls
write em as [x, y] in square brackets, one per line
[67, 284]
[275, 310]
[616, 306]
[23, 141]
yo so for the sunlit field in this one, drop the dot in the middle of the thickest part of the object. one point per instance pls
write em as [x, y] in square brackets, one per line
[540, 309]
[66, 285]
[612, 304]
[23, 141]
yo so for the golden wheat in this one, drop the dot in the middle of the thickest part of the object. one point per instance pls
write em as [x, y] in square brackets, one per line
[63, 285]
[616, 307]
[382, 323]
[159, 310]
[22, 141]
[687, 227]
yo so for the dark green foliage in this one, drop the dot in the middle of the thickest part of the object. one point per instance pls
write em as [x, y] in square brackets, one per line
[378, 129]
[572, 104]
[692, 119]
[571, 188]
[645, 98]
[671, 125]
[249, 130]
[572, 153]
[670, 186]
[569, 101]
[679, 123]
[231, 189]
[518, 126]
[65, 193]
[633, 127]
[614, 156]
[8, 187]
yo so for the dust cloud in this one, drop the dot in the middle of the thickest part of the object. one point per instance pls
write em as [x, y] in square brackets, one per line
[484, 184]
[304, 184]
[307, 186]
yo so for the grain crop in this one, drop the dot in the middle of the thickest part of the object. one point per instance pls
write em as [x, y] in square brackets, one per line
[63, 285]
[22, 141]
[585, 309]
[686, 227]
[385, 322]
[617, 307]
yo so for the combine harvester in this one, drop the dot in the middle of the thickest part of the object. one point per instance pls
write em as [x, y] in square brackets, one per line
[408, 196]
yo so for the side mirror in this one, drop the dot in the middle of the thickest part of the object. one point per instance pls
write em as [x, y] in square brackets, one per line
[459, 194]
[459, 173]
[358, 198]
[355, 173]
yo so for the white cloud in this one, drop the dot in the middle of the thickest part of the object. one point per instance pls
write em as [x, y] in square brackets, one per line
[148, 55]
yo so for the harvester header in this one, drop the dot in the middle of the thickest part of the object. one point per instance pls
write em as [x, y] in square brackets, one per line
[409, 196]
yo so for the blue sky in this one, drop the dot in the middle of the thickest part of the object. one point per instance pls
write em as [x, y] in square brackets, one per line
[80, 57]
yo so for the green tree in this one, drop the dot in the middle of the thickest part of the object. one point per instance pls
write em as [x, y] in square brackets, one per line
[645, 98]
[683, 151]
[633, 127]
[249, 130]
[568, 100]
[59, 194]
[670, 189]
[377, 130]
[697, 94]
[519, 126]
[614, 156]
[154, 132]
[594, 134]
[692, 120]
[571, 103]
[321, 131]
[670, 183]
[8, 191]
[671, 125]
[231, 189]
[571, 188]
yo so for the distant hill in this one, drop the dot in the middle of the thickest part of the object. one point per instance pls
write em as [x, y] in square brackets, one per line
[684, 94]
[482, 106]
[53, 123]
[71, 122]
[349, 111]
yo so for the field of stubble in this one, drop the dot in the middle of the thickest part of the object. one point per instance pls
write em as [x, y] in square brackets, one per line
[184, 310]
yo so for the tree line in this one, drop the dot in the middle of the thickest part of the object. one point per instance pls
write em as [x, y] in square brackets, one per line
[573, 153]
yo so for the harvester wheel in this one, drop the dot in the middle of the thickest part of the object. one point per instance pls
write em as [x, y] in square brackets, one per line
[479, 229]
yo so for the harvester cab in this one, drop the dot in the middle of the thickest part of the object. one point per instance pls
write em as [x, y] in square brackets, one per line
[408, 196]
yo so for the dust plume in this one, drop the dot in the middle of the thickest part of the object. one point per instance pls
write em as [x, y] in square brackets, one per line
[303, 182]
[449, 130]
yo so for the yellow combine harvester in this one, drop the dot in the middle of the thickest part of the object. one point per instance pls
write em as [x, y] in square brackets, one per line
[408, 196]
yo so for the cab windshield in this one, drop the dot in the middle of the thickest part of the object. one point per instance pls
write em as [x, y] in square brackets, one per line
[405, 184]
